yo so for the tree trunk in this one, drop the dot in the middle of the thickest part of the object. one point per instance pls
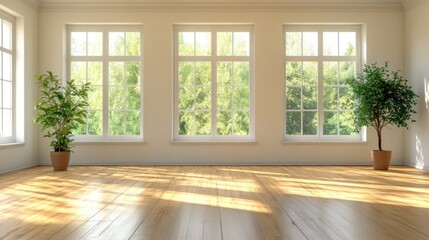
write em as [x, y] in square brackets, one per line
[379, 139]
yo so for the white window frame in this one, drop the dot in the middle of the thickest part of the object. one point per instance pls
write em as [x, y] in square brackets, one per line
[359, 137]
[105, 59]
[213, 58]
[12, 52]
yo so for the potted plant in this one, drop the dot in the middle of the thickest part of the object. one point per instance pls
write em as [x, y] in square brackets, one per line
[381, 97]
[59, 110]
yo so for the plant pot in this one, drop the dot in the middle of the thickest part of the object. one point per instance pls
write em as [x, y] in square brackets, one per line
[381, 159]
[60, 160]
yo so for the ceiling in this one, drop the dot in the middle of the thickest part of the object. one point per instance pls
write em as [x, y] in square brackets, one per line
[404, 4]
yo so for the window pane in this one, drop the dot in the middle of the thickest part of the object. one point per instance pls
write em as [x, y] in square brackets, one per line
[309, 43]
[7, 94]
[309, 123]
[224, 73]
[202, 98]
[95, 98]
[116, 123]
[293, 44]
[133, 123]
[186, 44]
[293, 98]
[345, 101]
[309, 73]
[95, 43]
[7, 123]
[78, 44]
[309, 97]
[330, 123]
[293, 123]
[116, 98]
[116, 73]
[95, 73]
[133, 73]
[186, 98]
[346, 123]
[241, 98]
[224, 98]
[241, 73]
[133, 43]
[133, 98]
[241, 44]
[203, 73]
[347, 43]
[186, 123]
[330, 73]
[7, 35]
[78, 72]
[95, 123]
[203, 44]
[241, 123]
[224, 43]
[347, 70]
[330, 43]
[186, 73]
[330, 98]
[293, 73]
[7, 66]
[203, 123]
[224, 123]
[116, 43]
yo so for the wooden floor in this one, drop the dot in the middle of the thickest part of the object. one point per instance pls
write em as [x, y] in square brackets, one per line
[215, 202]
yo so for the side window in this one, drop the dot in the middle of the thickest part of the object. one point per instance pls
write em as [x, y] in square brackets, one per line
[7, 79]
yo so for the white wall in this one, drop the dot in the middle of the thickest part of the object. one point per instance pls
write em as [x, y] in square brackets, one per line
[384, 42]
[417, 71]
[23, 155]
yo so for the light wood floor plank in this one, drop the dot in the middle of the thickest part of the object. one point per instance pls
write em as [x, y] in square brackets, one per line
[214, 202]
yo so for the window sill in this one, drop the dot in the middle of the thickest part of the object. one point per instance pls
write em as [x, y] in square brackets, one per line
[12, 144]
[324, 142]
[220, 142]
[128, 139]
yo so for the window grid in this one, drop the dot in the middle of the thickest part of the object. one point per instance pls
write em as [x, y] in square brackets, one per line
[7, 78]
[215, 58]
[318, 55]
[127, 119]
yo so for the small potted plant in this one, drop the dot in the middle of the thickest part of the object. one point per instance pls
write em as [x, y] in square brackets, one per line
[59, 110]
[381, 97]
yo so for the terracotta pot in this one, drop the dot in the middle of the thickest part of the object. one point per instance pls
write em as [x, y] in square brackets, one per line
[381, 159]
[60, 160]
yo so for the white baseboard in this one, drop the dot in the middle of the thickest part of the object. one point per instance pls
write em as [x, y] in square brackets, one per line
[19, 168]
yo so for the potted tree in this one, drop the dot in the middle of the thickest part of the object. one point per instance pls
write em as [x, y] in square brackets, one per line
[59, 110]
[381, 97]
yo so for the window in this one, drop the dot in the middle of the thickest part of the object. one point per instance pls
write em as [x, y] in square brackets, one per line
[213, 83]
[319, 59]
[110, 58]
[7, 78]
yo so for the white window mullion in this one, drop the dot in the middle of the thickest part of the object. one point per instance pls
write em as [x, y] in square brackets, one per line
[214, 62]
[106, 83]
[320, 110]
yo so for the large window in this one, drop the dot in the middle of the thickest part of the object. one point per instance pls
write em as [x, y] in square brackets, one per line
[7, 79]
[319, 59]
[213, 83]
[110, 58]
